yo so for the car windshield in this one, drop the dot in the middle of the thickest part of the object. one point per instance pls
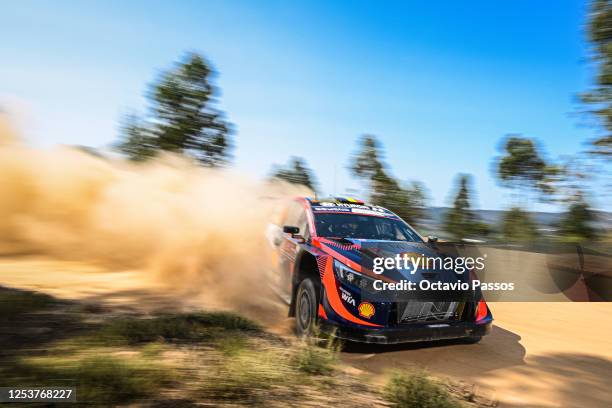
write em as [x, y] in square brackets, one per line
[363, 227]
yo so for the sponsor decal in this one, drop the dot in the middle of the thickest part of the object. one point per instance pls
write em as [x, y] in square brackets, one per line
[352, 206]
[347, 297]
[366, 309]
[331, 209]
[367, 211]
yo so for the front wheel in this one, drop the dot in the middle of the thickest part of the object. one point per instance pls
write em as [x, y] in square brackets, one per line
[306, 308]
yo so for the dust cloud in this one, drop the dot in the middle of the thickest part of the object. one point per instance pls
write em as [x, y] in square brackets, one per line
[189, 227]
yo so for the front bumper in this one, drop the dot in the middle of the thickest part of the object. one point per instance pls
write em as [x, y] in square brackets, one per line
[407, 333]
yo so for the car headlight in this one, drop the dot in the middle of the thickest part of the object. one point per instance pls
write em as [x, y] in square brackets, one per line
[351, 277]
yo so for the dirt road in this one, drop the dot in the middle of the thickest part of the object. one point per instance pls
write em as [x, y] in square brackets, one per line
[538, 355]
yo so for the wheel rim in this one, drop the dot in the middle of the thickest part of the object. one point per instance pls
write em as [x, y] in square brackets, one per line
[304, 311]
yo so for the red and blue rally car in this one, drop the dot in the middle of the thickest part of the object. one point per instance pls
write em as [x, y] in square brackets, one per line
[322, 248]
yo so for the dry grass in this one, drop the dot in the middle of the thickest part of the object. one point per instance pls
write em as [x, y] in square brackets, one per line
[418, 390]
[219, 359]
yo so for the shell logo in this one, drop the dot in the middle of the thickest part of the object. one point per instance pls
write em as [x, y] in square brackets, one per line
[366, 309]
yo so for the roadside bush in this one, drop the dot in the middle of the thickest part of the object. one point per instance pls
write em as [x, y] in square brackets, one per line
[416, 390]
[316, 358]
[107, 380]
[190, 327]
[247, 376]
[99, 380]
[312, 359]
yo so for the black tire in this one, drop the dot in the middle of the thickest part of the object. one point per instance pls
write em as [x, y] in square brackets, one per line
[306, 305]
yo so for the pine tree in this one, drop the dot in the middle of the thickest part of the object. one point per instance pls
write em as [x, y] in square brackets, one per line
[599, 29]
[460, 220]
[521, 167]
[517, 226]
[408, 202]
[297, 172]
[578, 223]
[182, 118]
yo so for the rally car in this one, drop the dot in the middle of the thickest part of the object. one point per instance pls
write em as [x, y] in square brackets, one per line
[322, 249]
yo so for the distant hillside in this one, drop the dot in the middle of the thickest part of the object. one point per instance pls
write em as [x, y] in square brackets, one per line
[435, 218]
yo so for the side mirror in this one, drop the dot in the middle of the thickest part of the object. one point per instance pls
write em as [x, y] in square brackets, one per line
[288, 229]
[432, 239]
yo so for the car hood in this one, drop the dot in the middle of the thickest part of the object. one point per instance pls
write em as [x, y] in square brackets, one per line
[364, 251]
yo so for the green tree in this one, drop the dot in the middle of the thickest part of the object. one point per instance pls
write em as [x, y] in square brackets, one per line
[578, 223]
[460, 220]
[408, 202]
[517, 226]
[599, 30]
[368, 162]
[521, 167]
[296, 172]
[182, 118]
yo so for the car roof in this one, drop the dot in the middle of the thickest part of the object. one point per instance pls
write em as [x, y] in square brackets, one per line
[343, 204]
[337, 200]
[350, 205]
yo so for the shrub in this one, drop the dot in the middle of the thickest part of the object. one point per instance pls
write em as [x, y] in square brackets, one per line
[192, 326]
[100, 380]
[314, 359]
[247, 376]
[416, 390]
[106, 380]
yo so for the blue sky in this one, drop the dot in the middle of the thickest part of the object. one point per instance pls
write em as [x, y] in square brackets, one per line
[440, 83]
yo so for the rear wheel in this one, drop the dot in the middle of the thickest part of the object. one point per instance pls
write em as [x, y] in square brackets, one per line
[306, 308]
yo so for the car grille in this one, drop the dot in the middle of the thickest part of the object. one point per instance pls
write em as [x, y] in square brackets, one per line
[415, 311]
